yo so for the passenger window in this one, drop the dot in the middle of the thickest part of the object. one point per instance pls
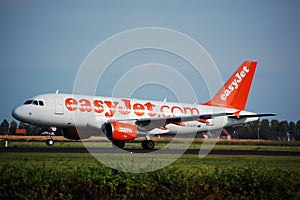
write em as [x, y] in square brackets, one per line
[41, 103]
[35, 102]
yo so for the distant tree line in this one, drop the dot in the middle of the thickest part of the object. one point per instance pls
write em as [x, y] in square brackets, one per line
[7, 128]
[264, 130]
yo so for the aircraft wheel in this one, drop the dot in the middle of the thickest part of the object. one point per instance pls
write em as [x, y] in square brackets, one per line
[50, 142]
[118, 143]
[148, 144]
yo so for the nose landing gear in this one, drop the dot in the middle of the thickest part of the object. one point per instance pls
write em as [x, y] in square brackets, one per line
[50, 142]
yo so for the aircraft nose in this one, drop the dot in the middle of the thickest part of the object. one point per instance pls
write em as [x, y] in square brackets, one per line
[17, 113]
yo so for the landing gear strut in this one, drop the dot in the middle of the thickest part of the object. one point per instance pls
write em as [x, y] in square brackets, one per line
[148, 144]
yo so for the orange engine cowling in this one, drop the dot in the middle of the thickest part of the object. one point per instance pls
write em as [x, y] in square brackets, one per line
[120, 131]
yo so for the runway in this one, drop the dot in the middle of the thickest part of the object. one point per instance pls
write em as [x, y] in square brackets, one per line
[139, 151]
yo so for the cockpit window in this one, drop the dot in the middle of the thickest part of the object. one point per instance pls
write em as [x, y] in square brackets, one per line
[28, 102]
[41, 103]
[35, 102]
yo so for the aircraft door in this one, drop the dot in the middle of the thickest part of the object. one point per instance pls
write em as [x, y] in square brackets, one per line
[59, 106]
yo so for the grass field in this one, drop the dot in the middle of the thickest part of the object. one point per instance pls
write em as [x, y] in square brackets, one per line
[184, 163]
[81, 176]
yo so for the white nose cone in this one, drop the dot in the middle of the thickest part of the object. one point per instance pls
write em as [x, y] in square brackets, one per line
[18, 113]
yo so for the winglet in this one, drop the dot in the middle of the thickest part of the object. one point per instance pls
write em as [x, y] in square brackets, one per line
[234, 93]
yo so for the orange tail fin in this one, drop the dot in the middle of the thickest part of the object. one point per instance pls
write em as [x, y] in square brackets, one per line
[235, 92]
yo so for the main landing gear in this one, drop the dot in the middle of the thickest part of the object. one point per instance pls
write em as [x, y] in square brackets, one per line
[146, 144]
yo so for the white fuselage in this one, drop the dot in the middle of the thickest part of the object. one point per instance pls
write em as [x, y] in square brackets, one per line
[82, 111]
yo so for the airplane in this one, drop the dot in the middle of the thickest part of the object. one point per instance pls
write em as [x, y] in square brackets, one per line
[123, 119]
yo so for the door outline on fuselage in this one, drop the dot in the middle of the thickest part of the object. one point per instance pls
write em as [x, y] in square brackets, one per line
[59, 107]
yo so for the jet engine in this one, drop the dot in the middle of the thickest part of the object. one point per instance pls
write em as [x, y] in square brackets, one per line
[120, 131]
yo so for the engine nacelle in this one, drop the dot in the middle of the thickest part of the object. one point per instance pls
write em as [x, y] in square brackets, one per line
[120, 131]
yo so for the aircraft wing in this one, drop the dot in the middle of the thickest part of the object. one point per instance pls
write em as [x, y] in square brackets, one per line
[154, 123]
[182, 118]
[151, 123]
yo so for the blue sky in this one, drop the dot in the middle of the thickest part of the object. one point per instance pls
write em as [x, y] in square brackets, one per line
[43, 44]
